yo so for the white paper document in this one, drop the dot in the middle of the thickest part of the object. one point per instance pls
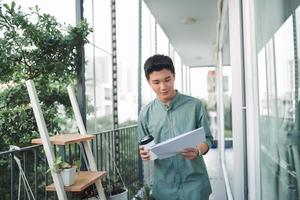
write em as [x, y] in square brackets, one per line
[174, 145]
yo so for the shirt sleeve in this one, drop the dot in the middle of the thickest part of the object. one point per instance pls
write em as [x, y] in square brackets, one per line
[203, 122]
[142, 125]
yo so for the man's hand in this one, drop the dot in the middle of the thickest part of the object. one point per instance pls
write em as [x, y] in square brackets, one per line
[145, 155]
[190, 153]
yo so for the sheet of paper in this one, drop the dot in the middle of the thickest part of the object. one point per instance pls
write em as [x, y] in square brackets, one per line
[174, 145]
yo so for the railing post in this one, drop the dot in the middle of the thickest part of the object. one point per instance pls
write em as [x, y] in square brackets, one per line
[12, 176]
[141, 174]
[24, 168]
[35, 176]
[115, 83]
[62, 152]
[46, 178]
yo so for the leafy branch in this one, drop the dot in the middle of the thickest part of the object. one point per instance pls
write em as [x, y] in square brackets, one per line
[34, 45]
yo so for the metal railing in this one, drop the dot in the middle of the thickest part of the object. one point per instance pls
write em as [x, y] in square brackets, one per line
[106, 155]
[34, 164]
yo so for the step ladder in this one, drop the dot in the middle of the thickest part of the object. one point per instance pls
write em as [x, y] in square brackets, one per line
[84, 178]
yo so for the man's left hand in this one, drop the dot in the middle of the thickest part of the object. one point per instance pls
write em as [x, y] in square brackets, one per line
[190, 153]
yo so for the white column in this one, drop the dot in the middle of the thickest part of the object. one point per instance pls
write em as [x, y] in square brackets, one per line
[251, 79]
[239, 190]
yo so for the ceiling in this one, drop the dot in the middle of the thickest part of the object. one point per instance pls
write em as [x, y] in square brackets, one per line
[195, 43]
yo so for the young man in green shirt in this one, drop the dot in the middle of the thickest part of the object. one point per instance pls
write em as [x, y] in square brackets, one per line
[184, 176]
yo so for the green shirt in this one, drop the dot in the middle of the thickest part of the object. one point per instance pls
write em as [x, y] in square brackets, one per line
[177, 178]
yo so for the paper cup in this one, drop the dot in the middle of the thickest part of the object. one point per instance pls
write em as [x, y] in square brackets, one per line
[148, 141]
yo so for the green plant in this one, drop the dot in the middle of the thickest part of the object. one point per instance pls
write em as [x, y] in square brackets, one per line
[59, 165]
[36, 46]
[113, 185]
[146, 193]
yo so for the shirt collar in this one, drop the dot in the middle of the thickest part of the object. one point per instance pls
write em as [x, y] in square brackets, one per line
[173, 102]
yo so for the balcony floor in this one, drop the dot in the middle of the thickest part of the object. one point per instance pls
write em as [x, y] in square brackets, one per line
[213, 164]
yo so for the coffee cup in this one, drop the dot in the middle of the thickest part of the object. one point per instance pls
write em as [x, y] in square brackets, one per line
[148, 141]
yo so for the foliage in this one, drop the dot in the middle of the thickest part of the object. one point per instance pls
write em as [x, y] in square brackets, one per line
[59, 164]
[105, 123]
[128, 123]
[35, 46]
[146, 193]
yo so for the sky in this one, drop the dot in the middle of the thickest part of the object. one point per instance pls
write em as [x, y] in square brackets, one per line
[50, 6]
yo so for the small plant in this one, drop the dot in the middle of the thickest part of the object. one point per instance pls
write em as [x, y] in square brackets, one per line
[67, 171]
[146, 194]
[59, 165]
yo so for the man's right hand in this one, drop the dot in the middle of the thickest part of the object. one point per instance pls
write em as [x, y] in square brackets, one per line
[145, 154]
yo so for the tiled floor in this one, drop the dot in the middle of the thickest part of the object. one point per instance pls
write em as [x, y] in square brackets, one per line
[213, 164]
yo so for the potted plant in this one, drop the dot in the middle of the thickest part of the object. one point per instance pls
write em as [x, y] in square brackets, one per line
[66, 170]
[115, 188]
[145, 193]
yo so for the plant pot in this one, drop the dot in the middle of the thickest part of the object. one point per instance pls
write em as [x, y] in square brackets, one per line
[68, 176]
[120, 196]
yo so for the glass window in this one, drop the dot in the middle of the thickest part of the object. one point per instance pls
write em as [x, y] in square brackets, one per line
[262, 77]
[227, 136]
[203, 86]
[228, 139]
[98, 15]
[127, 54]
[278, 100]
[285, 89]
[98, 68]
[98, 89]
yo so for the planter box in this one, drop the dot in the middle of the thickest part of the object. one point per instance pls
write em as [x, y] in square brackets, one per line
[68, 176]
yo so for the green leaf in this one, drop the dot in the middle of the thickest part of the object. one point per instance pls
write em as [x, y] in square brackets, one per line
[13, 5]
[6, 6]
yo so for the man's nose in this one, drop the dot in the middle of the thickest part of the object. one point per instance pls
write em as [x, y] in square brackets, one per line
[163, 85]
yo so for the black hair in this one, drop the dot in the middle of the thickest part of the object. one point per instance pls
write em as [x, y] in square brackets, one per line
[158, 62]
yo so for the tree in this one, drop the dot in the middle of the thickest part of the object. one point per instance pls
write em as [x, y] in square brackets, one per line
[35, 46]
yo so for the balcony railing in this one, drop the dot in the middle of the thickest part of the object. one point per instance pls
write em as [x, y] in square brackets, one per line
[33, 162]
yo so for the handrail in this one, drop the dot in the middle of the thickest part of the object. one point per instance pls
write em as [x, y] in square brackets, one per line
[27, 148]
[114, 130]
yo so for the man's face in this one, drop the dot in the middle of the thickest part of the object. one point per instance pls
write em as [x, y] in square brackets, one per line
[162, 83]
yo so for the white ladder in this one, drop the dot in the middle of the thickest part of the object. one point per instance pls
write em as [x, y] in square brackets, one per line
[48, 148]
[87, 146]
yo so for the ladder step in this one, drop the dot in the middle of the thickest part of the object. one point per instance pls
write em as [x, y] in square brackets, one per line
[64, 139]
[82, 181]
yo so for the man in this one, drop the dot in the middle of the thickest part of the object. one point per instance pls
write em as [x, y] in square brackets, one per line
[184, 176]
